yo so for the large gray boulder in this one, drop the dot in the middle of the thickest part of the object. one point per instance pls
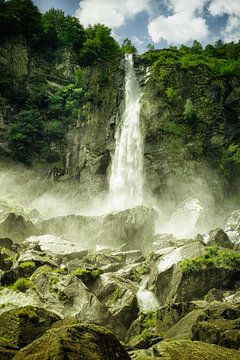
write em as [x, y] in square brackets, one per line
[220, 238]
[134, 227]
[17, 228]
[67, 295]
[165, 275]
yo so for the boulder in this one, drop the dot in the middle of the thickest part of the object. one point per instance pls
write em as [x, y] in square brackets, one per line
[23, 325]
[220, 238]
[67, 295]
[185, 349]
[218, 324]
[75, 342]
[17, 228]
[119, 296]
[59, 247]
[165, 275]
[11, 299]
[134, 227]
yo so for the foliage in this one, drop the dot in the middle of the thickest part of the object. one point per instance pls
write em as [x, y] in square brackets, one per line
[117, 295]
[22, 284]
[87, 275]
[61, 30]
[221, 59]
[139, 272]
[29, 312]
[212, 258]
[171, 94]
[98, 46]
[128, 47]
[27, 265]
[148, 324]
[20, 17]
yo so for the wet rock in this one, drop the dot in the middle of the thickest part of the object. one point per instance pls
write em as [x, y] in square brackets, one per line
[57, 246]
[119, 296]
[12, 299]
[75, 342]
[67, 295]
[39, 258]
[23, 325]
[220, 238]
[17, 228]
[165, 275]
[6, 243]
[214, 295]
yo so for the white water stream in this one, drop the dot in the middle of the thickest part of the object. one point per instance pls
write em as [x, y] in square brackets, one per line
[126, 180]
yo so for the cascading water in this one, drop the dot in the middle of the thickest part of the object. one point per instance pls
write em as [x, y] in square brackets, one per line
[126, 180]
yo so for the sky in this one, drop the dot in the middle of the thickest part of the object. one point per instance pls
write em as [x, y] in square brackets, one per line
[162, 23]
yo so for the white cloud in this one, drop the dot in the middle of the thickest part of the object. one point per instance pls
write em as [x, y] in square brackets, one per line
[190, 6]
[112, 13]
[221, 7]
[232, 30]
[178, 28]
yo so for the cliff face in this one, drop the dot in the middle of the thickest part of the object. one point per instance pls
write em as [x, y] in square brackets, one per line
[91, 140]
[189, 119]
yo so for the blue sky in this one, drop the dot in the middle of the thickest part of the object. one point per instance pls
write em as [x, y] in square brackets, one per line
[160, 22]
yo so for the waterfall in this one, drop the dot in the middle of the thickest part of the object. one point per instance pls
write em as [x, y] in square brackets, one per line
[126, 180]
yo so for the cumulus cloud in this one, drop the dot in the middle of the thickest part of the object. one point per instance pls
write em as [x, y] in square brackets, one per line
[112, 13]
[221, 7]
[178, 28]
[232, 30]
[231, 8]
[191, 6]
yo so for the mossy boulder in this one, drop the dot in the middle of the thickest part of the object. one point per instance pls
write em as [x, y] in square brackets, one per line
[23, 325]
[185, 350]
[86, 342]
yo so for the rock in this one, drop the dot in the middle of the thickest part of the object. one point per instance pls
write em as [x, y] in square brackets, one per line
[165, 275]
[214, 295]
[38, 257]
[134, 227]
[218, 324]
[168, 315]
[6, 243]
[185, 350]
[23, 325]
[233, 221]
[17, 228]
[6, 258]
[119, 296]
[11, 299]
[219, 237]
[75, 342]
[57, 246]
[67, 295]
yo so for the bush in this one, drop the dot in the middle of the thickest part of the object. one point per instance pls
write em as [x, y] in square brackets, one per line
[212, 258]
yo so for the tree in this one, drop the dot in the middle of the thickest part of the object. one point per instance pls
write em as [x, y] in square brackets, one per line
[61, 30]
[99, 45]
[20, 17]
[128, 47]
[196, 47]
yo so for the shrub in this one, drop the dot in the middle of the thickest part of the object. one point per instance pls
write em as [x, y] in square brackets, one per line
[22, 284]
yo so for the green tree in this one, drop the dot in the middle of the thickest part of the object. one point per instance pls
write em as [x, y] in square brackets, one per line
[20, 17]
[99, 45]
[61, 30]
[128, 47]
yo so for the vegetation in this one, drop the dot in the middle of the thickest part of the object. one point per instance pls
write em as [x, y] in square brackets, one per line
[117, 295]
[128, 47]
[148, 324]
[22, 284]
[27, 265]
[87, 275]
[212, 258]
[139, 272]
